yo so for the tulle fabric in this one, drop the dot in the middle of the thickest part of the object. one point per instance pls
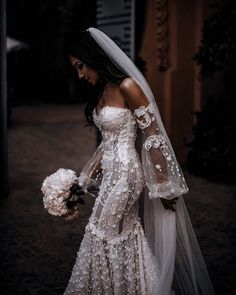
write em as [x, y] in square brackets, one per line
[173, 241]
[118, 57]
[170, 234]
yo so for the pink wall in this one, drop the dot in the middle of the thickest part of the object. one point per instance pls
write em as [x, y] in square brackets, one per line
[177, 89]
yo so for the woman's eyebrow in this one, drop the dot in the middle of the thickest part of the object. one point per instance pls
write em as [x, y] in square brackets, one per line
[76, 63]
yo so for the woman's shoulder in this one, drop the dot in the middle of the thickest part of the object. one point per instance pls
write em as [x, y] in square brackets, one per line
[132, 92]
[128, 84]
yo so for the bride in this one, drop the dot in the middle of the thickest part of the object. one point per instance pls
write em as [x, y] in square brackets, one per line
[117, 255]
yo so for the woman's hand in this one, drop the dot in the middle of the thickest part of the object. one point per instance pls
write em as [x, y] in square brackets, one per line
[169, 204]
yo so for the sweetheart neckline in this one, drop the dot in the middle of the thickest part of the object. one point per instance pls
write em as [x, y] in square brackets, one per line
[106, 106]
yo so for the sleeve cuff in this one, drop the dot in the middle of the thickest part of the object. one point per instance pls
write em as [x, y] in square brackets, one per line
[86, 182]
[166, 190]
[82, 179]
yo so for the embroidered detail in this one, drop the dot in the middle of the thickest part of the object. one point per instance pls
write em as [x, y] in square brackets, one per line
[158, 167]
[130, 260]
[153, 141]
[167, 190]
[158, 141]
[114, 256]
[145, 116]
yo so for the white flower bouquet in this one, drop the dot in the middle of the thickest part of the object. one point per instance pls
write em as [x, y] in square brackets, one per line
[62, 194]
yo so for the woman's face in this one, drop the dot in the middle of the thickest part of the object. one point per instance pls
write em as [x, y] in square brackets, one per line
[84, 71]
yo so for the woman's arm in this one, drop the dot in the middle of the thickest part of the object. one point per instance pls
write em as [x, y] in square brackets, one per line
[154, 150]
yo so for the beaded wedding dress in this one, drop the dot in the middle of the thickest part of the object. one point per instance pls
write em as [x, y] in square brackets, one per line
[115, 256]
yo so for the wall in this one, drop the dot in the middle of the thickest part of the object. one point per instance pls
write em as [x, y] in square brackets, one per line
[177, 88]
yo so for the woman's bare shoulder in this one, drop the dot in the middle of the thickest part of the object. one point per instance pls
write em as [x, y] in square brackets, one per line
[128, 84]
[132, 93]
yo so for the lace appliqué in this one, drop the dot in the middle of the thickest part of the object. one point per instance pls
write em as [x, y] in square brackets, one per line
[146, 114]
[160, 156]
[156, 141]
[153, 141]
[167, 190]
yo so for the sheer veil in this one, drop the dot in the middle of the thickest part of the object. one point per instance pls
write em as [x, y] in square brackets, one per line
[170, 234]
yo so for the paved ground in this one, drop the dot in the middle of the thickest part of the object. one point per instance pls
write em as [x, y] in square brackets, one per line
[38, 251]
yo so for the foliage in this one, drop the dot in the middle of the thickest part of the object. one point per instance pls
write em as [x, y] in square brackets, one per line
[212, 150]
[217, 51]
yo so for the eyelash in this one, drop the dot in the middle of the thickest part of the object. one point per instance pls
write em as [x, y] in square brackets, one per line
[79, 66]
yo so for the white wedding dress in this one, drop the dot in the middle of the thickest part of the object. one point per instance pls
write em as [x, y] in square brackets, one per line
[115, 256]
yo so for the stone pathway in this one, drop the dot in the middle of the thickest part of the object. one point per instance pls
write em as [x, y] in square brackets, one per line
[38, 251]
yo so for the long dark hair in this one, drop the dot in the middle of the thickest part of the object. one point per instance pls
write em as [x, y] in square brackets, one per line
[82, 46]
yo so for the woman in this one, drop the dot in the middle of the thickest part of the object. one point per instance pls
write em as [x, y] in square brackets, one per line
[116, 255]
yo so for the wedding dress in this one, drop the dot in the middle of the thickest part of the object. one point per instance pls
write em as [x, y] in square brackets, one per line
[115, 256]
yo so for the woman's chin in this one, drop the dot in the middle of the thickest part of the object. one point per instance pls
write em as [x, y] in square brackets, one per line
[94, 83]
[90, 82]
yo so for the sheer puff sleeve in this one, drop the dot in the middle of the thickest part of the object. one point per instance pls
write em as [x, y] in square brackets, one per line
[163, 175]
[91, 174]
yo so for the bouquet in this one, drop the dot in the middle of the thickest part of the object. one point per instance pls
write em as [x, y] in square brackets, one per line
[62, 194]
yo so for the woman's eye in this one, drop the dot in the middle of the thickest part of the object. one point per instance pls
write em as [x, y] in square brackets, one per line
[79, 66]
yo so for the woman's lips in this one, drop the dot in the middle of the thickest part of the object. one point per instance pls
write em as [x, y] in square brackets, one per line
[89, 80]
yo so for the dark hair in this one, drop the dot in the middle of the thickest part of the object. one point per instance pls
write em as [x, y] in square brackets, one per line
[82, 46]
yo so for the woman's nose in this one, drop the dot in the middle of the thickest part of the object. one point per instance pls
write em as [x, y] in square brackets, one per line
[80, 74]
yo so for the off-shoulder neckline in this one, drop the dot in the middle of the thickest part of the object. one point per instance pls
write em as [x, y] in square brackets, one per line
[120, 108]
[107, 106]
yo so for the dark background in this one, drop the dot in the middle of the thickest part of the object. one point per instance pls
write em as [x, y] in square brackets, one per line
[42, 73]
[44, 95]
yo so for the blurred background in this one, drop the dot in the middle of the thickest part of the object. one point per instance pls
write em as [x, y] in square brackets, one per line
[186, 50]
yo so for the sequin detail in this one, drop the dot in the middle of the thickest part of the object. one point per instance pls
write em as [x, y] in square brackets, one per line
[114, 256]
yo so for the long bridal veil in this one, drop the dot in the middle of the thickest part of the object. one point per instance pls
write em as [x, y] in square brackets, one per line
[170, 234]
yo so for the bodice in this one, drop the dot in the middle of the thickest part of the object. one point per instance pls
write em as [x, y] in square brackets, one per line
[117, 125]
[119, 130]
